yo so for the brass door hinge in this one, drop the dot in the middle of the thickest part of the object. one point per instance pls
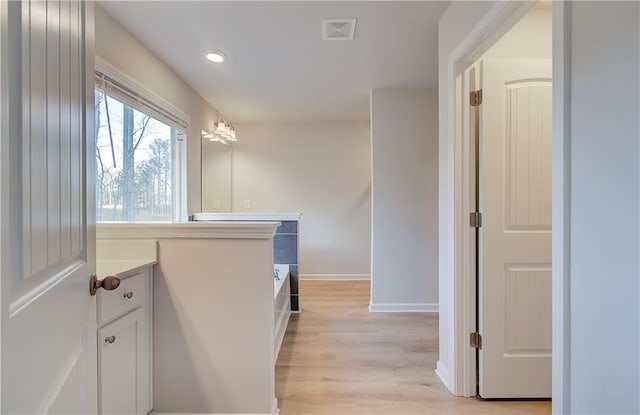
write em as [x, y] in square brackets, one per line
[475, 98]
[475, 340]
[475, 219]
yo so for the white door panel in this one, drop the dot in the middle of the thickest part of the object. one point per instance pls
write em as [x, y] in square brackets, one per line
[515, 258]
[48, 241]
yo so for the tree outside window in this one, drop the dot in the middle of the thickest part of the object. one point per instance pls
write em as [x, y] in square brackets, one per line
[133, 163]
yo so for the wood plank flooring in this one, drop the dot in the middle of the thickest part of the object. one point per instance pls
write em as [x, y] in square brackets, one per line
[337, 358]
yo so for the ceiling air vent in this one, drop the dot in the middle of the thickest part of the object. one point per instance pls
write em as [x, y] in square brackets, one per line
[338, 29]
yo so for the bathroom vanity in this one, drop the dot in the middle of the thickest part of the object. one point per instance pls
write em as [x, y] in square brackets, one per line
[124, 321]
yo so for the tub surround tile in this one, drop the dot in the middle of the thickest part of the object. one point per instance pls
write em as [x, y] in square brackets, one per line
[288, 227]
[294, 279]
[295, 303]
[285, 249]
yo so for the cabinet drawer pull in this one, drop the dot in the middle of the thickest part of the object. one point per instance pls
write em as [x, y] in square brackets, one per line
[128, 295]
[110, 339]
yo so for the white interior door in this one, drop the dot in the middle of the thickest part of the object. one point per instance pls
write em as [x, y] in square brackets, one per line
[47, 216]
[515, 247]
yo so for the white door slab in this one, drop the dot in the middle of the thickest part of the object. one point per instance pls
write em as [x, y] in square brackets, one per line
[515, 247]
[47, 211]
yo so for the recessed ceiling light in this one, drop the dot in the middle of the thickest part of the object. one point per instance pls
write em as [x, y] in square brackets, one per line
[216, 56]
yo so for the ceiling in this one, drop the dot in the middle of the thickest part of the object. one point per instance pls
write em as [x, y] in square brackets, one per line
[278, 66]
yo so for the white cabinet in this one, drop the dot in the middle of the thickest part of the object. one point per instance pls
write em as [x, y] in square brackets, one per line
[124, 346]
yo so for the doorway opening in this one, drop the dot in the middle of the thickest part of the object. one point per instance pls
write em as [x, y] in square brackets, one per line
[504, 124]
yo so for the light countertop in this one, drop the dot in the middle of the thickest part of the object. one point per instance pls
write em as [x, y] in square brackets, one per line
[124, 258]
[122, 268]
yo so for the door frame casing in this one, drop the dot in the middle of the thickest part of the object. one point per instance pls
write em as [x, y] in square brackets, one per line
[4, 99]
[500, 19]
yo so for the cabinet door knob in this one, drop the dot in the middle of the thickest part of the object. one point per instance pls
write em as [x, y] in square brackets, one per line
[110, 339]
[128, 295]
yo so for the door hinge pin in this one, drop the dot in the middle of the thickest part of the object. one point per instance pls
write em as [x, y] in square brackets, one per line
[475, 340]
[475, 219]
[475, 98]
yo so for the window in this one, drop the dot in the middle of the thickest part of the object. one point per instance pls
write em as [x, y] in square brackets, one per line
[139, 158]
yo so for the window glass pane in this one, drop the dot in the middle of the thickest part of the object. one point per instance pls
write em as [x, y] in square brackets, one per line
[133, 163]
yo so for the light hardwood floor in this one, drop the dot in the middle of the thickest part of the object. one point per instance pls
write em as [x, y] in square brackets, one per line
[337, 358]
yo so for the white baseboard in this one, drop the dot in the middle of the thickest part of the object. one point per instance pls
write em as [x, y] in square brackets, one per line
[443, 374]
[274, 411]
[335, 277]
[404, 308]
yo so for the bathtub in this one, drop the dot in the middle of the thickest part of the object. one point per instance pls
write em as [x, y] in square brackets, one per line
[282, 304]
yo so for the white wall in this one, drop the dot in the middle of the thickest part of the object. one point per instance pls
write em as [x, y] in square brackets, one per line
[404, 200]
[216, 176]
[122, 50]
[204, 362]
[604, 208]
[530, 38]
[320, 169]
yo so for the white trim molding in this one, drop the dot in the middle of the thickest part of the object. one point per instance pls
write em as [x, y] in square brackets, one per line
[204, 216]
[107, 68]
[213, 413]
[274, 411]
[442, 373]
[335, 277]
[560, 208]
[186, 230]
[403, 307]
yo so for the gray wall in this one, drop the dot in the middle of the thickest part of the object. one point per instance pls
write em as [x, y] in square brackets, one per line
[604, 323]
[404, 258]
[320, 169]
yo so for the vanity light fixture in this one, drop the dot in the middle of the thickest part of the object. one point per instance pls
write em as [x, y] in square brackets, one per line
[229, 134]
[207, 135]
[211, 137]
[215, 56]
[232, 134]
[225, 130]
[221, 128]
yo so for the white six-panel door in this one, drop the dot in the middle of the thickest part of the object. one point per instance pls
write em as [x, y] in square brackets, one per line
[515, 238]
[48, 233]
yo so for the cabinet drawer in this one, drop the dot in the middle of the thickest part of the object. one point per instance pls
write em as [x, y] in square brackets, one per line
[132, 293]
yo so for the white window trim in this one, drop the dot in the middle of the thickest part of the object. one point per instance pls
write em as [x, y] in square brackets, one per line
[106, 68]
[179, 177]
